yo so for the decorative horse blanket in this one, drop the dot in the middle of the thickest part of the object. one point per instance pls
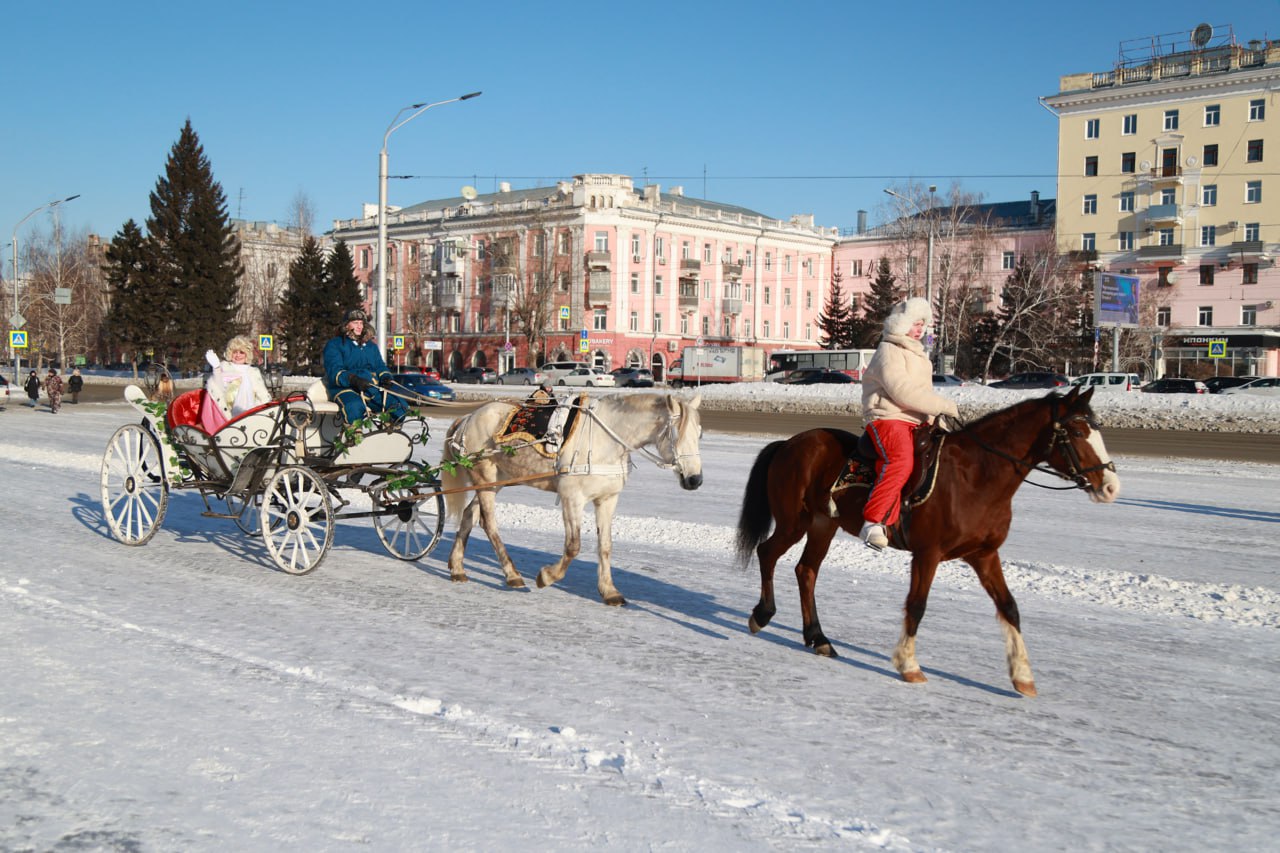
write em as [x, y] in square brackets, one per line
[543, 421]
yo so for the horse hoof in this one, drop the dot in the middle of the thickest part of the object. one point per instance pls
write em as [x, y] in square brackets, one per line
[1026, 688]
[542, 581]
[615, 600]
[516, 582]
[753, 625]
[915, 676]
[459, 578]
[825, 650]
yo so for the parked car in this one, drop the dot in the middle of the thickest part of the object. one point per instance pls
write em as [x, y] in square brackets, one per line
[949, 380]
[555, 369]
[522, 376]
[1033, 379]
[591, 377]
[1108, 381]
[476, 376]
[821, 376]
[1175, 386]
[1218, 384]
[799, 376]
[633, 377]
[430, 372]
[4, 392]
[425, 386]
[1266, 386]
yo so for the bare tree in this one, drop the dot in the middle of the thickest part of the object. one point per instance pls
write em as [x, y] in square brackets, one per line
[302, 216]
[63, 299]
[1042, 305]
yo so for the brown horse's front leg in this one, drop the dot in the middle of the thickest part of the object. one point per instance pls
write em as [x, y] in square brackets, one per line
[991, 575]
[923, 568]
[767, 554]
[821, 531]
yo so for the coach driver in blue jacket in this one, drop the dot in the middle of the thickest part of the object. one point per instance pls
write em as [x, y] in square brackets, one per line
[354, 370]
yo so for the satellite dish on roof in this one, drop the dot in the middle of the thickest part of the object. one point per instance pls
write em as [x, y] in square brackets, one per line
[468, 192]
[1201, 34]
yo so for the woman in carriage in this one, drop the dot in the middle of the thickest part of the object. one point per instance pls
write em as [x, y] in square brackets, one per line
[236, 386]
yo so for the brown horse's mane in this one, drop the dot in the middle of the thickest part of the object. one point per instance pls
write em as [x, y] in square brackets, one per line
[1003, 418]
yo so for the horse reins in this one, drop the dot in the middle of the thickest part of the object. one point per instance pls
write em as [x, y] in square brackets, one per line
[1076, 472]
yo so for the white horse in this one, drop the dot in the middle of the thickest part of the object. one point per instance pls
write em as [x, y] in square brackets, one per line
[592, 465]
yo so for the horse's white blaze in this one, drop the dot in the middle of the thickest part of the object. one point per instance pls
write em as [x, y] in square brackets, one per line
[1110, 480]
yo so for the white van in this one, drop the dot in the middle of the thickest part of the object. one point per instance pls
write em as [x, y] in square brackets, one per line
[556, 370]
[1108, 381]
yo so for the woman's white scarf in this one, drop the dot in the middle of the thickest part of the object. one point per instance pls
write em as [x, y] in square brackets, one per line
[237, 388]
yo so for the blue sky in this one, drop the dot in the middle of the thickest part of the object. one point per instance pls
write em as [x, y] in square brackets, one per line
[810, 107]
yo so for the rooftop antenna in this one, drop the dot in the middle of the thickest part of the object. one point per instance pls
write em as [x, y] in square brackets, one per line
[1201, 35]
[468, 192]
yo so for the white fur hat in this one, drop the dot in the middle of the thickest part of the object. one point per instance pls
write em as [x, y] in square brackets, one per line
[905, 314]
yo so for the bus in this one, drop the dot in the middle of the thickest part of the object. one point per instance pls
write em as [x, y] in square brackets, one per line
[850, 361]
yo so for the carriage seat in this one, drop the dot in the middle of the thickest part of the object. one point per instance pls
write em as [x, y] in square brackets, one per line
[185, 410]
[318, 396]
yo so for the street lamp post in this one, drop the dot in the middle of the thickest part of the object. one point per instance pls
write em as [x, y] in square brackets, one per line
[17, 366]
[380, 311]
[928, 261]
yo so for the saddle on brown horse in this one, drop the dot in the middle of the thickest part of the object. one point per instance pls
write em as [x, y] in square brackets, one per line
[860, 470]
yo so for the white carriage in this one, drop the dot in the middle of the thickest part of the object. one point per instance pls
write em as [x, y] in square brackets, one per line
[279, 469]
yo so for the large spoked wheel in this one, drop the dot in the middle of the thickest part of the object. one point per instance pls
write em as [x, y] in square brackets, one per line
[134, 492]
[247, 512]
[408, 528]
[296, 519]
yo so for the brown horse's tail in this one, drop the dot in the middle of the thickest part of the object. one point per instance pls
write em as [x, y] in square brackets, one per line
[756, 517]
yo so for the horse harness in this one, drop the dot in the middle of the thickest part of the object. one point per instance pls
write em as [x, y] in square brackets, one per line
[1061, 437]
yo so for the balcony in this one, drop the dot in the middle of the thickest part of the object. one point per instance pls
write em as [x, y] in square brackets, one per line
[688, 298]
[1171, 252]
[1164, 213]
[731, 270]
[731, 306]
[1083, 256]
[690, 267]
[1164, 175]
[1248, 251]
[600, 288]
[599, 261]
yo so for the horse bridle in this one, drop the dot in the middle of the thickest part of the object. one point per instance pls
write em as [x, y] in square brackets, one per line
[673, 439]
[1075, 468]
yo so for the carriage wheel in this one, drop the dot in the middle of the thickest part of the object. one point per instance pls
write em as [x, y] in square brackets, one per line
[247, 514]
[409, 529]
[296, 519]
[134, 492]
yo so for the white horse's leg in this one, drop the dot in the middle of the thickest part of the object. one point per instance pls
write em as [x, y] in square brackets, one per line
[466, 521]
[489, 521]
[605, 506]
[571, 509]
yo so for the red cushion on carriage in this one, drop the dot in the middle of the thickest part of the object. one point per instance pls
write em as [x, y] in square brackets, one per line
[184, 410]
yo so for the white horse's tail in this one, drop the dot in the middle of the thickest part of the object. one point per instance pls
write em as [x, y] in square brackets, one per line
[455, 446]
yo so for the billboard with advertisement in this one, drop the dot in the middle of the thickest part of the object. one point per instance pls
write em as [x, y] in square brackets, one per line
[1115, 300]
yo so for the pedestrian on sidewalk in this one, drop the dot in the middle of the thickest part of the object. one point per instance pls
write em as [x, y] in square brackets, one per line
[53, 388]
[75, 384]
[32, 387]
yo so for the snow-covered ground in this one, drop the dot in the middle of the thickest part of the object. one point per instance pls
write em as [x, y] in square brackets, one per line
[184, 695]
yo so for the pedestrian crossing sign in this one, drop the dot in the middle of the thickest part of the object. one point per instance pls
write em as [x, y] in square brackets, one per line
[1218, 349]
[18, 340]
[266, 343]
[397, 342]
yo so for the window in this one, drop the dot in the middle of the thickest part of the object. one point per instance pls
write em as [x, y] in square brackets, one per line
[768, 295]
[1212, 115]
[684, 250]
[786, 331]
[1257, 109]
[657, 285]
[1091, 127]
[1209, 195]
[1254, 152]
[1126, 241]
[1248, 315]
[746, 292]
[911, 265]
[706, 253]
[562, 243]
[1126, 202]
[364, 259]
[1090, 205]
[635, 282]
[1206, 274]
[768, 261]
[706, 325]
[1006, 261]
[539, 244]
[786, 296]
[660, 247]
[1252, 232]
[764, 329]
[600, 319]
[1091, 167]
[684, 324]
[635, 245]
[746, 328]
[1128, 162]
[1253, 192]
[633, 321]
[727, 255]
[1130, 125]
[602, 241]
[1162, 277]
[706, 288]
[786, 263]
[808, 299]
[1210, 155]
[1250, 274]
[1169, 196]
[1170, 119]
[855, 267]
[1088, 241]
[1205, 316]
[726, 327]
[1166, 236]
[1164, 316]
[657, 324]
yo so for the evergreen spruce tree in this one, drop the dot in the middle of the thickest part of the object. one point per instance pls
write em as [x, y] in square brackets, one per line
[884, 295]
[342, 288]
[834, 318]
[304, 309]
[132, 322]
[197, 255]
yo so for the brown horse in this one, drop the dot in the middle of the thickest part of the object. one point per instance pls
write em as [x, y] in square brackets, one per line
[966, 517]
